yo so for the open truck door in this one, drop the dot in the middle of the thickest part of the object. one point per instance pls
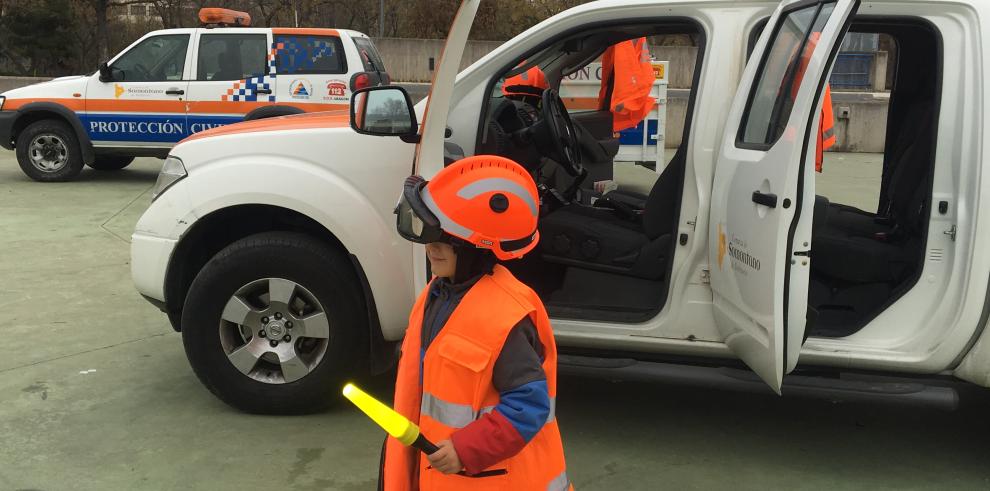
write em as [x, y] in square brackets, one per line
[764, 190]
[432, 132]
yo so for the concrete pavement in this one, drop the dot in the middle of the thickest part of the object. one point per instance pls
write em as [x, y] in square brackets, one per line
[96, 394]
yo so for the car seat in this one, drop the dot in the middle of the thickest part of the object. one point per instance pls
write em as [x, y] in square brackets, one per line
[610, 240]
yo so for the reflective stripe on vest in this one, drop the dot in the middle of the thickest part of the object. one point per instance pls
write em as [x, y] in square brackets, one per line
[559, 483]
[460, 415]
[449, 413]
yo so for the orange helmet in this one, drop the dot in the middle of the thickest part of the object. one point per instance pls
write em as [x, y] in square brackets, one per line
[486, 200]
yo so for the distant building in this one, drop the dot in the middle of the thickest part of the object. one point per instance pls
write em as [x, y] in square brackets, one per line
[138, 12]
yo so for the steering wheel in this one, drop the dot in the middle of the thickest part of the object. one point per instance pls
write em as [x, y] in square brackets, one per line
[564, 147]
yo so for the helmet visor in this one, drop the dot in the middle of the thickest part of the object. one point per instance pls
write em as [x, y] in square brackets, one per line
[414, 221]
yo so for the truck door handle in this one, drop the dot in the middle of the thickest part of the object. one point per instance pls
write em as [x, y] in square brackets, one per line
[766, 199]
[174, 91]
[263, 91]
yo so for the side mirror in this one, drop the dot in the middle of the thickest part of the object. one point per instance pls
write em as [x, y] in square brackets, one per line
[106, 75]
[384, 111]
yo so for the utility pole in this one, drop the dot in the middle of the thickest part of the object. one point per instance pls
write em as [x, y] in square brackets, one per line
[381, 19]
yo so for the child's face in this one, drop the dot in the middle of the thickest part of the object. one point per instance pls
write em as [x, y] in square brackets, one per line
[443, 260]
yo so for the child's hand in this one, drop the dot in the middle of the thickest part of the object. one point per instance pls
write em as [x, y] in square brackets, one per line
[445, 460]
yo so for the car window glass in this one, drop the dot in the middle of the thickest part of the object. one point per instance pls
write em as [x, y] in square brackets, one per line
[309, 55]
[647, 127]
[369, 55]
[156, 59]
[772, 99]
[232, 56]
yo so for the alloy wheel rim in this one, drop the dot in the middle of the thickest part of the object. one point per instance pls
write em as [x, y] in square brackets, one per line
[274, 331]
[48, 153]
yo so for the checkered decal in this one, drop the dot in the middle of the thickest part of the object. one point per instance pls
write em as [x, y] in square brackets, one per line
[245, 90]
[301, 53]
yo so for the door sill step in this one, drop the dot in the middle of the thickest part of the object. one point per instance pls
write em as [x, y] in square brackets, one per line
[844, 388]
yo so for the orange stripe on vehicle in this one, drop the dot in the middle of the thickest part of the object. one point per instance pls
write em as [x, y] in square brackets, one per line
[305, 32]
[309, 121]
[72, 104]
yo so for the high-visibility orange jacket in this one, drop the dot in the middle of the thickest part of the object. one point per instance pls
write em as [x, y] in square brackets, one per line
[533, 77]
[628, 64]
[457, 389]
[826, 127]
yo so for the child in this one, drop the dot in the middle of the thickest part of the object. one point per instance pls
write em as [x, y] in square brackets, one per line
[479, 364]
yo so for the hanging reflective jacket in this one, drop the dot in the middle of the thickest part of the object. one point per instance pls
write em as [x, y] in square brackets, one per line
[532, 82]
[457, 389]
[628, 64]
[826, 127]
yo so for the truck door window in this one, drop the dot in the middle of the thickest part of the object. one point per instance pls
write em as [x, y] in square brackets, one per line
[780, 75]
[156, 59]
[232, 56]
[303, 55]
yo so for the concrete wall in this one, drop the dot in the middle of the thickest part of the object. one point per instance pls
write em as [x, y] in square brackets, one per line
[408, 60]
[8, 83]
[682, 61]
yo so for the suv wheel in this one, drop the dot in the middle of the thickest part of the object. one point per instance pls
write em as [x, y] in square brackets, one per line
[275, 323]
[48, 151]
[111, 162]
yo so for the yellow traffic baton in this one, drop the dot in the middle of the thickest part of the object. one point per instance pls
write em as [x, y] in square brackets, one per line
[391, 421]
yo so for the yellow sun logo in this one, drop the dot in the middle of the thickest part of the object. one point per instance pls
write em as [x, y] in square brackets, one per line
[721, 246]
[117, 90]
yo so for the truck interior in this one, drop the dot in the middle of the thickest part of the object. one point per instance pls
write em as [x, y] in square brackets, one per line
[609, 257]
[600, 257]
[863, 260]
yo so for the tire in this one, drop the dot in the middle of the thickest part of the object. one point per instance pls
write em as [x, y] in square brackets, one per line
[48, 151]
[111, 162]
[323, 280]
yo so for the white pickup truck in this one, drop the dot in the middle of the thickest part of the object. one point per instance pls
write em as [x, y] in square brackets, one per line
[271, 244]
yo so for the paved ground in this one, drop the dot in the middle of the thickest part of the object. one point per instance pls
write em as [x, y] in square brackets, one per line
[96, 394]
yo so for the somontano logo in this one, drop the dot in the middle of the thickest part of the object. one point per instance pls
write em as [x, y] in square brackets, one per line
[137, 92]
[736, 250]
[743, 257]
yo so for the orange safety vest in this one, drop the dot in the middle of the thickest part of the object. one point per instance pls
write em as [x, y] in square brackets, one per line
[457, 389]
[628, 64]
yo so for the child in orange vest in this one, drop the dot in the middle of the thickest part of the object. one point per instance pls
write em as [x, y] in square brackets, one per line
[478, 365]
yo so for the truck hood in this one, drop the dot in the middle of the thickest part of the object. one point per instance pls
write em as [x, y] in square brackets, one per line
[308, 121]
[57, 88]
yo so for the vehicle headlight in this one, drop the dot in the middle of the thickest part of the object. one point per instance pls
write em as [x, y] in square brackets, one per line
[172, 172]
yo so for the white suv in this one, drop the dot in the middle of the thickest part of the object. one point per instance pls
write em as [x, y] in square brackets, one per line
[174, 83]
[272, 246]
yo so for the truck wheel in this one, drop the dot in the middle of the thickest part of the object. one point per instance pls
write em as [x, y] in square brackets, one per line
[275, 323]
[48, 151]
[111, 162]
